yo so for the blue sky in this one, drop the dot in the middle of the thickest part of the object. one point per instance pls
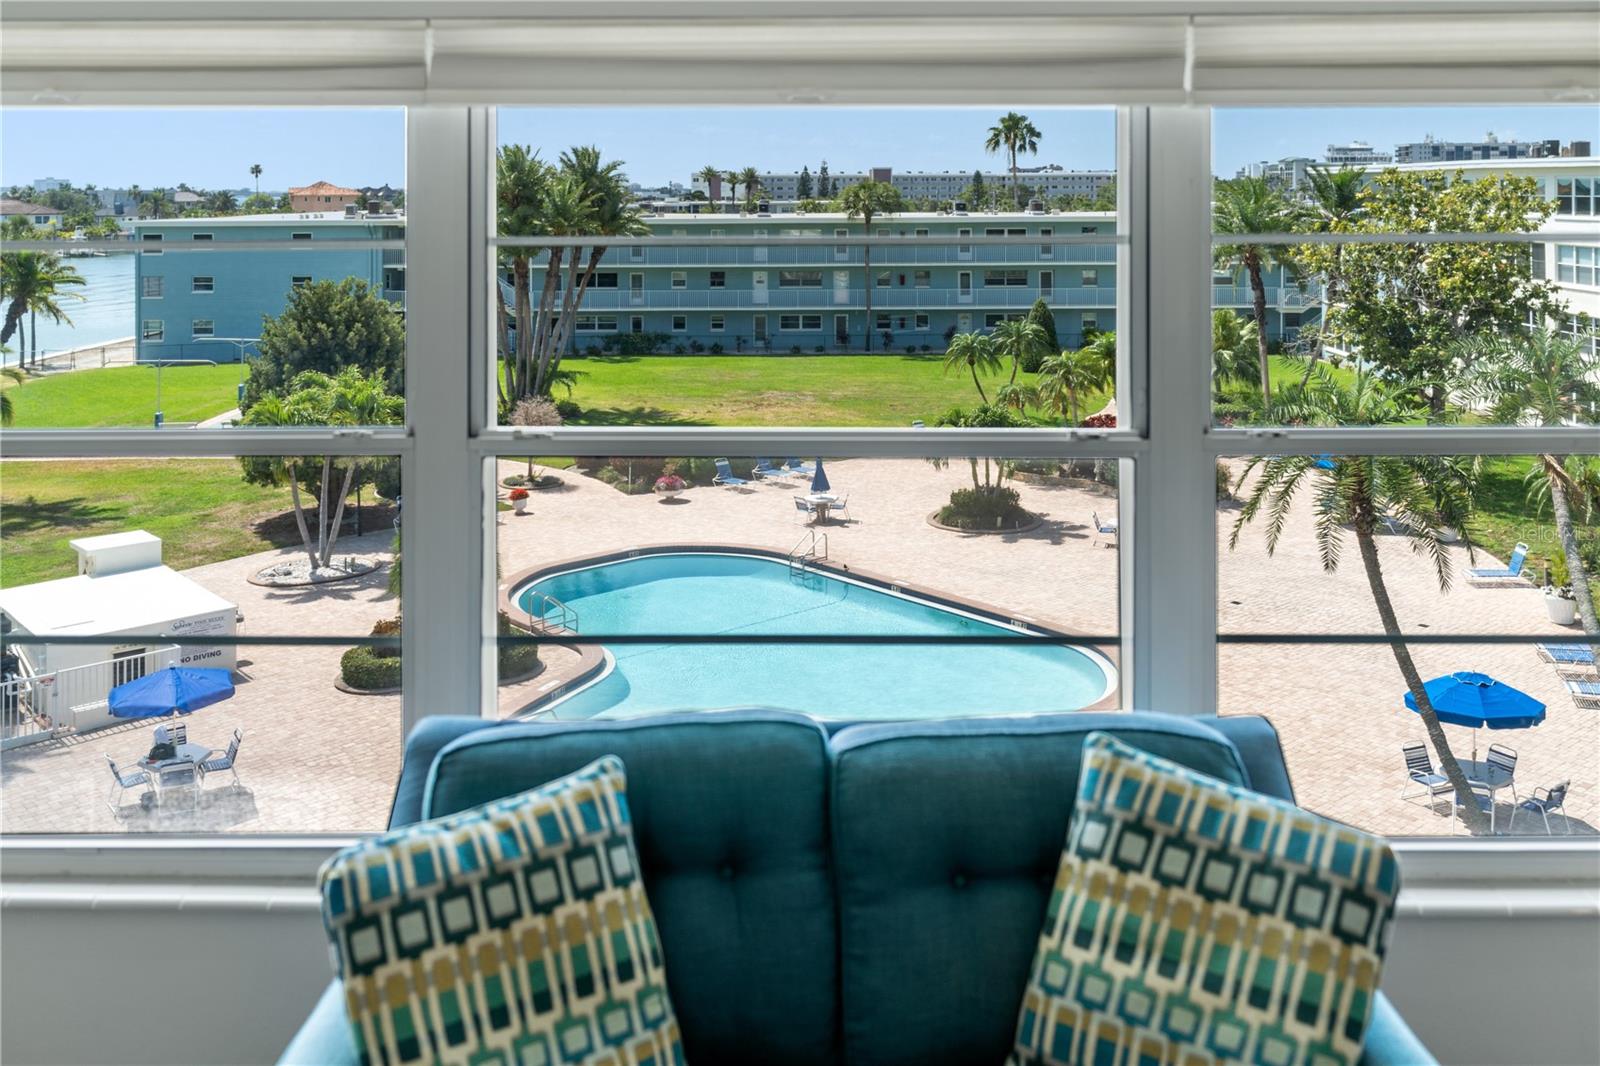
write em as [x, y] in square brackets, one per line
[214, 148]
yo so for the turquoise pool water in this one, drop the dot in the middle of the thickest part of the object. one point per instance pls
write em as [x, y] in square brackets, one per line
[695, 593]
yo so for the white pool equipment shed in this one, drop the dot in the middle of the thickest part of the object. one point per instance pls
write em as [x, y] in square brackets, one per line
[121, 590]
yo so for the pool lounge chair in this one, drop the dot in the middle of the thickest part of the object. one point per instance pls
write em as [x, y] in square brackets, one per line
[1584, 693]
[764, 470]
[1512, 571]
[796, 467]
[1573, 662]
[724, 475]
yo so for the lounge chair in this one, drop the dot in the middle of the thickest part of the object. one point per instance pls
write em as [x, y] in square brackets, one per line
[1420, 771]
[1512, 571]
[1584, 693]
[764, 469]
[724, 475]
[125, 779]
[1544, 801]
[227, 760]
[1573, 662]
[1103, 527]
[799, 469]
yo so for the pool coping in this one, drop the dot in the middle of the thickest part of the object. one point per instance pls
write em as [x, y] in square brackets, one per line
[592, 657]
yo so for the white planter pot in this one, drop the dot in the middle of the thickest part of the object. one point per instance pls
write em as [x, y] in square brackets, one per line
[669, 494]
[1562, 612]
[1448, 535]
[520, 506]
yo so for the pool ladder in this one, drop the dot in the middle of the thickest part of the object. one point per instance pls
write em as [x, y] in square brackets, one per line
[806, 551]
[545, 613]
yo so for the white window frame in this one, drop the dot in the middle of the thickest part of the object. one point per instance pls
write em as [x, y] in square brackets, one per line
[155, 336]
[676, 320]
[717, 323]
[680, 279]
[196, 333]
[160, 286]
[1163, 299]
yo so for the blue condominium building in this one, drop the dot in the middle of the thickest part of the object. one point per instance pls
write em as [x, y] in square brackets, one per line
[188, 300]
[711, 293]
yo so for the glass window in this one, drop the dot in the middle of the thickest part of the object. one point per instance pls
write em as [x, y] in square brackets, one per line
[152, 243]
[202, 283]
[1090, 278]
[300, 236]
[200, 236]
[799, 279]
[922, 279]
[680, 323]
[717, 323]
[993, 278]
[718, 279]
[299, 280]
[202, 327]
[884, 279]
[152, 286]
[153, 329]
[922, 322]
[680, 280]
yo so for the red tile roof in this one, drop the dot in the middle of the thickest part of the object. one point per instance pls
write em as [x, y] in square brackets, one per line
[325, 188]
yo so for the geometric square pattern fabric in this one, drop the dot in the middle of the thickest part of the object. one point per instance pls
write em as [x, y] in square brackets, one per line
[516, 934]
[1194, 921]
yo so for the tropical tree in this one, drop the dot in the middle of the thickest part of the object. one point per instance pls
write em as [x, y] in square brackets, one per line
[221, 202]
[353, 398]
[732, 179]
[1422, 493]
[1544, 378]
[824, 183]
[866, 200]
[1245, 207]
[1041, 314]
[522, 192]
[1066, 377]
[1014, 133]
[1335, 207]
[14, 375]
[973, 352]
[156, 204]
[1234, 348]
[328, 326]
[1021, 340]
[750, 178]
[803, 188]
[1404, 306]
[34, 282]
[258, 204]
[255, 172]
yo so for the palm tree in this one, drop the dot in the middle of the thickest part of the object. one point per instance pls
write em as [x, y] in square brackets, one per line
[974, 352]
[221, 202]
[733, 178]
[1233, 348]
[156, 201]
[711, 176]
[1246, 206]
[750, 178]
[1543, 378]
[522, 183]
[1064, 377]
[1424, 493]
[1019, 340]
[1015, 134]
[1335, 207]
[255, 172]
[33, 281]
[8, 412]
[866, 200]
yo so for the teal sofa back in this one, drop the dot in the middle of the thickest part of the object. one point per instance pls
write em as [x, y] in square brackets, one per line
[853, 893]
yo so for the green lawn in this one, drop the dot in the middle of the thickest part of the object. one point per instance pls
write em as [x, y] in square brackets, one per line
[775, 390]
[1504, 516]
[123, 396]
[200, 508]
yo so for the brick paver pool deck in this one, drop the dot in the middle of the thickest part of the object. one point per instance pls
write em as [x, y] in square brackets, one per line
[316, 759]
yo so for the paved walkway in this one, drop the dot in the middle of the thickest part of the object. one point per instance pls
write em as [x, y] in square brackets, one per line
[318, 760]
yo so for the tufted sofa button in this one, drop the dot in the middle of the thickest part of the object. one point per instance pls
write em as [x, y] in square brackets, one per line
[726, 872]
[959, 880]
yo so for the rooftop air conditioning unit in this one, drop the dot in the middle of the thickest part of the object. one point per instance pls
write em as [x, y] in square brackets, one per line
[374, 207]
[350, 211]
[763, 207]
[959, 207]
[1035, 207]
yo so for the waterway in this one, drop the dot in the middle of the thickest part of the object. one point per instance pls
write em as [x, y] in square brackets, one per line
[104, 314]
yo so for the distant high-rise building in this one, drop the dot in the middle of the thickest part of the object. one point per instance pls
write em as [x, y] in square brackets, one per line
[1355, 154]
[49, 184]
[1429, 150]
[1048, 181]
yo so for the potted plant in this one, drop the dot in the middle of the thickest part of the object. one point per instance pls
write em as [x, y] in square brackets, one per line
[668, 486]
[519, 500]
[1560, 602]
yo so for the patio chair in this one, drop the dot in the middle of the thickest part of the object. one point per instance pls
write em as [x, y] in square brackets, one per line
[1485, 801]
[125, 779]
[1584, 693]
[227, 760]
[1420, 771]
[799, 469]
[1573, 662]
[1512, 571]
[1504, 759]
[1103, 527]
[841, 508]
[764, 469]
[179, 777]
[1543, 802]
[805, 507]
[179, 733]
[724, 475]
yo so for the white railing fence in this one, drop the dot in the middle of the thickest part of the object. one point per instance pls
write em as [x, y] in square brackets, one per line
[41, 706]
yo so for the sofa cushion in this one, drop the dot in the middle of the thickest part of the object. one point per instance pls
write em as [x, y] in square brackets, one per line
[517, 930]
[730, 819]
[1194, 920]
[947, 836]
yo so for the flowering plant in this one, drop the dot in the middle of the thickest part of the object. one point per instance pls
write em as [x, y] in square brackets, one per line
[518, 494]
[671, 483]
[1100, 422]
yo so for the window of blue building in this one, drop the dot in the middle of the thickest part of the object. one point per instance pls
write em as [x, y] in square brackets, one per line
[202, 283]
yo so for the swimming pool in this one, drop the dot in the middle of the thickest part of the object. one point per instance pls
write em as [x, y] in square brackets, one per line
[729, 593]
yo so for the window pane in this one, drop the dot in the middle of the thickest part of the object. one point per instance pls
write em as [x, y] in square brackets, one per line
[739, 258]
[166, 559]
[647, 547]
[112, 317]
[1339, 707]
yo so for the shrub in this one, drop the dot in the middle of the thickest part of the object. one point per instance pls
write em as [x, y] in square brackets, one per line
[593, 350]
[716, 348]
[926, 348]
[369, 668]
[1100, 422]
[535, 411]
[911, 349]
[820, 349]
[514, 481]
[678, 349]
[1226, 412]
[993, 507]
[1224, 482]
[515, 659]
[568, 410]
[1041, 315]
[794, 350]
[696, 347]
[640, 343]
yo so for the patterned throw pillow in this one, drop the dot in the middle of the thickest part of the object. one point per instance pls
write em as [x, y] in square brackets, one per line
[1194, 921]
[515, 933]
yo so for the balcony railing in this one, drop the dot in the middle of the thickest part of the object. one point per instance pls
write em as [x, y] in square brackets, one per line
[893, 297]
[889, 255]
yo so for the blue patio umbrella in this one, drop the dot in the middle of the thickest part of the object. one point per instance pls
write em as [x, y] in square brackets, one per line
[1478, 701]
[819, 480]
[173, 690]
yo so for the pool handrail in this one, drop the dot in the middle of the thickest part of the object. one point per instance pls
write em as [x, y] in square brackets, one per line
[541, 620]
